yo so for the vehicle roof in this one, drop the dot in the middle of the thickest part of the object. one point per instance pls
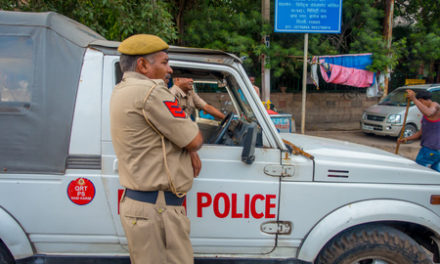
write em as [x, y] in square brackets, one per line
[44, 51]
[110, 47]
[176, 52]
[420, 86]
[69, 29]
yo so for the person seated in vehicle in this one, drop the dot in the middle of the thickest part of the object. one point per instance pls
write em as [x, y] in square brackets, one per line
[189, 100]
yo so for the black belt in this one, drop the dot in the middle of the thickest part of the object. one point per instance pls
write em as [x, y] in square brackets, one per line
[151, 197]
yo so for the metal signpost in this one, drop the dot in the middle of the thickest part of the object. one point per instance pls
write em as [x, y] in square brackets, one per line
[307, 16]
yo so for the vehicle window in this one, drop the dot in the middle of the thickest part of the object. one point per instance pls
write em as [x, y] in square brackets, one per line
[242, 102]
[118, 73]
[204, 80]
[395, 98]
[436, 96]
[214, 92]
[16, 73]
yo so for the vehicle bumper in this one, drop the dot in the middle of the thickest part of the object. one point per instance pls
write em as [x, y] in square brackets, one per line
[380, 128]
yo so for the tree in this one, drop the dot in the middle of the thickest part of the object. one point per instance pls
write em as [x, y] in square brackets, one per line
[236, 26]
[233, 26]
[420, 25]
[114, 19]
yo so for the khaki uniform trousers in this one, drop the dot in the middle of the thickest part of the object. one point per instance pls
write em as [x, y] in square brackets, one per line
[156, 233]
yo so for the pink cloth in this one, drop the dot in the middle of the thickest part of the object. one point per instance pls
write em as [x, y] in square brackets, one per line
[348, 76]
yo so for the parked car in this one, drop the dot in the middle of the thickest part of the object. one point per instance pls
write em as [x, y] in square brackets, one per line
[386, 117]
[262, 195]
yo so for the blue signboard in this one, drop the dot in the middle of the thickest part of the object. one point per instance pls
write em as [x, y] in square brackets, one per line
[308, 16]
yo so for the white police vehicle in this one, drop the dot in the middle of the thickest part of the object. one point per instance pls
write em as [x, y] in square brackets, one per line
[261, 195]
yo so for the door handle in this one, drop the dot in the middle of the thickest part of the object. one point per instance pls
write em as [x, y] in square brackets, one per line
[115, 165]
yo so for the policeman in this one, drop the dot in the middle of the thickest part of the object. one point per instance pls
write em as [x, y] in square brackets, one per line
[189, 100]
[155, 143]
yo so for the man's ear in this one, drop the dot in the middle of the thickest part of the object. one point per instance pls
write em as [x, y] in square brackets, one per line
[142, 65]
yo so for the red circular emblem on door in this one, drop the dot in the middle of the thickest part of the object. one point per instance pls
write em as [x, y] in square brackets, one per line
[81, 191]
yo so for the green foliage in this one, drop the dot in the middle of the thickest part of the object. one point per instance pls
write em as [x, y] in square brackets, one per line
[236, 26]
[8, 4]
[420, 27]
[232, 26]
[114, 19]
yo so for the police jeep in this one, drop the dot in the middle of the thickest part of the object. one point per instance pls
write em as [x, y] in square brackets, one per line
[261, 195]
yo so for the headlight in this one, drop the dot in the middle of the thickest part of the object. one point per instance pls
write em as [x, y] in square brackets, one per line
[364, 116]
[394, 119]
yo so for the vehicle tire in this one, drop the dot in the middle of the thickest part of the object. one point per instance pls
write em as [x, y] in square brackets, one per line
[5, 255]
[409, 130]
[372, 244]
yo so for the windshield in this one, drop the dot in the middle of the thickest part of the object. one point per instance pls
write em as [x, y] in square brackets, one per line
[220, 89]
[395, 98]
[241, 101]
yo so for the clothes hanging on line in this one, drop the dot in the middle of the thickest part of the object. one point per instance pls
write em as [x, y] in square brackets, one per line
[358, 61]
[347, 76]
[348, 70]
[314, 71]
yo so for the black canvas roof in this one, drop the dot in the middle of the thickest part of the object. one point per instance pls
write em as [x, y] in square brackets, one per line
[67, 28]
[41, 55]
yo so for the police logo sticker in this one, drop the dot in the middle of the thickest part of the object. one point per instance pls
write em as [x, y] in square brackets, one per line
[81, 191]
[175, 109]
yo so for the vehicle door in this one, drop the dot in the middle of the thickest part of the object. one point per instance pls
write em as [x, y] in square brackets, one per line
[111, 76]
[230, 202]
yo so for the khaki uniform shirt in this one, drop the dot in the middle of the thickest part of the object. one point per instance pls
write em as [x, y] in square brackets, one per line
[188, 101]
[138, 147]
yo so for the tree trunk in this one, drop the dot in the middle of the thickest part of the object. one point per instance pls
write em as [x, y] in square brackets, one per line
[438, 72]
[431, 72]
[179, 20]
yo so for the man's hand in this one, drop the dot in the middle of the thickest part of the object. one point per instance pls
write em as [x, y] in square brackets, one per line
[402, 140]
[411, 94]
[196, 163]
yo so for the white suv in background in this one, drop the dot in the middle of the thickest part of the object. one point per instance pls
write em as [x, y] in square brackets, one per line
[386, 117]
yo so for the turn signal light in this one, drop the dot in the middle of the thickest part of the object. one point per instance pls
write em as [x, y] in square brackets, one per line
[435, 199]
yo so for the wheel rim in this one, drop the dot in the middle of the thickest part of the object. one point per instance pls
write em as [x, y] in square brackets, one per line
[373, 260]
[409, 131]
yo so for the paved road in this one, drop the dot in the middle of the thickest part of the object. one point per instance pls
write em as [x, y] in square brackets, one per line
[357, 136]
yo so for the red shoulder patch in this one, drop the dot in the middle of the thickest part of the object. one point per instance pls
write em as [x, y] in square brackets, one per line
[175, 109]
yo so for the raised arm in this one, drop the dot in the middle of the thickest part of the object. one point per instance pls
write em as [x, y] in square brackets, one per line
[213, 111]
[427, 111]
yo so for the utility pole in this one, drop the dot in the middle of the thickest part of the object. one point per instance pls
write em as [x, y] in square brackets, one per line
[265, 73]
[304, 84]
[388, 36]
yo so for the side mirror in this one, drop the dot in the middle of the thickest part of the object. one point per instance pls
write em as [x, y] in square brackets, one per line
[249, 142]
